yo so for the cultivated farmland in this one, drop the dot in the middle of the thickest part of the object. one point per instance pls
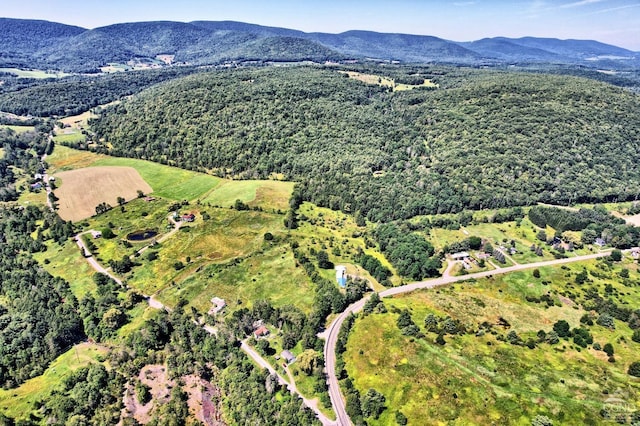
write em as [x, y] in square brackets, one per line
[84, 189]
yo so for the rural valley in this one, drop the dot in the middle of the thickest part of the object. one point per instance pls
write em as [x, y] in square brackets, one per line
[217, 223]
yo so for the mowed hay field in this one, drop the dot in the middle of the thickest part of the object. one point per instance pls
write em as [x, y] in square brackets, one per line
[84, 189]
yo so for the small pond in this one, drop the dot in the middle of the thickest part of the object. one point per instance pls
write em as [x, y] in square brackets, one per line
[142, 235]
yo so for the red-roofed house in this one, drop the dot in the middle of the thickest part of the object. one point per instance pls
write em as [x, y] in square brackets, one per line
[261, 331]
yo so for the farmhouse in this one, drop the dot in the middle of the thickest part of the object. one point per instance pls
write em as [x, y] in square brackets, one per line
[287, 356]
[36, 186]
[460, 256]
[96, 234]
[188, 217]
[261, 331]
[218, 305]
[600, 242]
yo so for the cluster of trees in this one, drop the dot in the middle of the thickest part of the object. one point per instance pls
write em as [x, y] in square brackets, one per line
[569, 220]
[106, 311]
[408, 252]
[594, 223]
[377, 270]
[246, 393]
[22, 151]
[333, 134]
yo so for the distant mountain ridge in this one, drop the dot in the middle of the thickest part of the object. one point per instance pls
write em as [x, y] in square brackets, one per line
[50, 45]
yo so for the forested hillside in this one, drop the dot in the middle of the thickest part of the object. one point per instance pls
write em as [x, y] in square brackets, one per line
[485, 139]
[74, 95]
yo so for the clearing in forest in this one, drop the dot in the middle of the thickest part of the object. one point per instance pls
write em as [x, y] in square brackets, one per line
[82, 190]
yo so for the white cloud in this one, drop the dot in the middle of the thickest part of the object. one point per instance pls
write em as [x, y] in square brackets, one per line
[613, 9]
[580, 3]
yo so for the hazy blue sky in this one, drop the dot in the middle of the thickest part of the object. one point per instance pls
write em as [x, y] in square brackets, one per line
[610, 21]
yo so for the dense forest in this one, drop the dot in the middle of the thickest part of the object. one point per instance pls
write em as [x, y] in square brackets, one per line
[38, 312]
[486, 140]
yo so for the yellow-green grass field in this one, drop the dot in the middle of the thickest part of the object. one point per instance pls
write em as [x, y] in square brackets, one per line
[502, 234]
[337, 234]
[266, 194]
[18, 403]
[67, 262]
[270, 275]
[369, 78]
[27, 197]
[39, 74]
[225, 236]
[18, 129]
[480, 379]
[84, 189]
[138, 215]
[69, 137]
[385, 81]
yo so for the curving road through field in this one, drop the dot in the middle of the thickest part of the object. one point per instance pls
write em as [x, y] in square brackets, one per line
[334, 329]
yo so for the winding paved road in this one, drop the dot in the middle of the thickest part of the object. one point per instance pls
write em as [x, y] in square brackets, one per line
[332, 331]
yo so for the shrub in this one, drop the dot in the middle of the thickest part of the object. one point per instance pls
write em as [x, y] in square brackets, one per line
[608, 349]
[562, 328]
[541, 420]
[606, 320]
[634, 369]
[616, 255]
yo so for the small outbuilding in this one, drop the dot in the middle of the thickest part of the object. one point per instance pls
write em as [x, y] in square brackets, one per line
[96, 234]
[287, 356]
[341, 275]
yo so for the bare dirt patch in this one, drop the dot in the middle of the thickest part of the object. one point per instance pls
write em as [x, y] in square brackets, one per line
[82, 190]
[154, 376]
[203, 396]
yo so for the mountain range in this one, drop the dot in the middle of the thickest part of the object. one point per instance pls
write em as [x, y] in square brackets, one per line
[49, 45]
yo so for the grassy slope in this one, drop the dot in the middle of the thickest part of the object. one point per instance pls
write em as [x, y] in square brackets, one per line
[17, 402]
[67, 262]
[479, 379]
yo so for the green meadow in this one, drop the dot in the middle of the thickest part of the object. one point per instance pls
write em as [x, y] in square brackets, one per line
[39, 74]
[18, 129]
